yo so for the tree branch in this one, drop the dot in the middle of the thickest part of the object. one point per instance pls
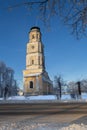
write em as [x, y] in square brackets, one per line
[28, 3]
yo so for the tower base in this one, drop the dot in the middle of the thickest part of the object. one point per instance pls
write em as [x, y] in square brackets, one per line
[37, 84]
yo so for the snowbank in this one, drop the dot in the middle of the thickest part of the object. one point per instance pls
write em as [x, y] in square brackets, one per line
[75, 127]
[40, 126]
[40, 97]
[84, 96]
[66, 97]
[1, 98]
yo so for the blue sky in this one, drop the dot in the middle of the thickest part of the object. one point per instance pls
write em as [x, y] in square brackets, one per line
[64, 54]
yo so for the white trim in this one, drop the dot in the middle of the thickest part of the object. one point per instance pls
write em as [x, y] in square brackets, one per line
[37, 74]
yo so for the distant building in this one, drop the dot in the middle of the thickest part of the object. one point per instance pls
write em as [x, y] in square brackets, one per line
[36, 79]
[7, 78]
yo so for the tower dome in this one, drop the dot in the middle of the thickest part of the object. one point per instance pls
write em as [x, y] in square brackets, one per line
[35, 27]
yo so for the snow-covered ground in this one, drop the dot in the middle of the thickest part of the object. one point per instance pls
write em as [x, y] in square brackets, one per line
[39, 97]
[45, 97]
[41, 126]
[84, 96]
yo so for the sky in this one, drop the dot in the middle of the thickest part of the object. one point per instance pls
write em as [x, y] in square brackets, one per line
[64, 54]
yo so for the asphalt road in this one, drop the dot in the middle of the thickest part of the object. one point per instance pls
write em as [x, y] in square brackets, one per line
[45, 118]
[44, 108]
[30, 116]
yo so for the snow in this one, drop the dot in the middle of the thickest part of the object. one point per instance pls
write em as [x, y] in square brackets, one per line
[66, 97]
[16, 98]
[75, 127]
[84, 96]
[39, 97]
[1, 98]
[25, 125]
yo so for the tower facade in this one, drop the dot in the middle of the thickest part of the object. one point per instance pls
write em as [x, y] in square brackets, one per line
[36, 79]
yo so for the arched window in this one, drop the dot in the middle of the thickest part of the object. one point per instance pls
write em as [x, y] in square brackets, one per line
[31, 84]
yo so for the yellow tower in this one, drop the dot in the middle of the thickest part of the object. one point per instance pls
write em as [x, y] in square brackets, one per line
[36, 79]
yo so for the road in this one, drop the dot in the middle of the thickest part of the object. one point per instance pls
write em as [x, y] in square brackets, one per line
[41, 121]
[44, 108]
[45, 118]
[38, 116]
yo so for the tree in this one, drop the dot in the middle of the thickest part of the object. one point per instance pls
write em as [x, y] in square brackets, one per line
[7, 79]
[84, 85]
[79, 87]
[58, 85]
[72, 12]
[72, 89]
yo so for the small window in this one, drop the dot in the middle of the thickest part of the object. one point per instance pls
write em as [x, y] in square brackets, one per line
[33, 36]
[31, 84]
[32, 62]
[37, 36]
[32, 47]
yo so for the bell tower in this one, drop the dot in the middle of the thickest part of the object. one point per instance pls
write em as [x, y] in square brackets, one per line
[35, 75]
[35, 52]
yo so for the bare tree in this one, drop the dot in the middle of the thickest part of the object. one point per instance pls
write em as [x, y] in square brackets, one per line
[58, 81]
[72, 12]
[72, 89]
[7, 79]
[79, 88]
[84, 85]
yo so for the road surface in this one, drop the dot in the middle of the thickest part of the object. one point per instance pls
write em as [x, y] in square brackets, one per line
[44, 107]
[43, 116]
